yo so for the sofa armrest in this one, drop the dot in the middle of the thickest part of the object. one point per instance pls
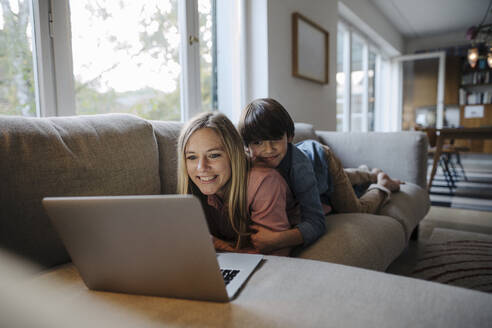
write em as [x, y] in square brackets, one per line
[403, 155]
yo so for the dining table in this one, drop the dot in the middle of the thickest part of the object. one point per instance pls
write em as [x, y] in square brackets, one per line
[444, 134]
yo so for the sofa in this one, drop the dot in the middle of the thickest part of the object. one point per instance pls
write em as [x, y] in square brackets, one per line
[124, 155]
[120, 154]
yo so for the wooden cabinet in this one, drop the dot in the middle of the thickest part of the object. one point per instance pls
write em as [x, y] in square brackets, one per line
[475, 84]
[452, 80]
[475, 145]
[420, 87]
[476, 90]
[463, 86]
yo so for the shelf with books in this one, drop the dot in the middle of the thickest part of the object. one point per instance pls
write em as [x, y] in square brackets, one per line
[476, 84]
[469, 97]
[478, 77]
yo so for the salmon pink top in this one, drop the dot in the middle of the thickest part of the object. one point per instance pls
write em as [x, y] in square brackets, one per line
[268, 199]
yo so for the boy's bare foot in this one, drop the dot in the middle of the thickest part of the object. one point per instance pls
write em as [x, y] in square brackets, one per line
[385, 181]
[376, 170]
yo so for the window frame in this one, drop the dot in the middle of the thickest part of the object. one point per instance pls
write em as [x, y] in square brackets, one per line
[350, 33]
[55, 93]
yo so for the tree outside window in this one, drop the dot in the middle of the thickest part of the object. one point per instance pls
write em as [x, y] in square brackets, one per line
[17, 86]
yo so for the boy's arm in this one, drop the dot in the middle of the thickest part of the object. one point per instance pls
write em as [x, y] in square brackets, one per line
[266, 240]
[304, 186]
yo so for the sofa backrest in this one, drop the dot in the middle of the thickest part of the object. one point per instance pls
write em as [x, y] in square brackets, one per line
[403, 155]
[304, 131]
[114, 154]
[167, 134]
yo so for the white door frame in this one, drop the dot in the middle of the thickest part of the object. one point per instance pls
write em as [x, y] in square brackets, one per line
[398, 87]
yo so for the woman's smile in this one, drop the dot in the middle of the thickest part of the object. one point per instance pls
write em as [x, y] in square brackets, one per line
[207, 162]
[207, 179]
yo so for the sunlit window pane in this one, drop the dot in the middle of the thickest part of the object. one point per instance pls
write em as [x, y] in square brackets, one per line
[371, 89]
[340, 77]
[339, 124]
[357, 84]
[357, 76]
[207, 50]
[356, 122]
[17, 86]
[126, 57]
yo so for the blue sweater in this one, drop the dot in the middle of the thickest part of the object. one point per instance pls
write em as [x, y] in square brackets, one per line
[305, 169]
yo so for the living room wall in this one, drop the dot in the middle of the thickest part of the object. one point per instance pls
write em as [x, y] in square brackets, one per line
[306, 101]
[376, 25]
[445, 40]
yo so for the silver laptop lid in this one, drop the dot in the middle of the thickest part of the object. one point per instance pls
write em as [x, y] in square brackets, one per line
[152, 245]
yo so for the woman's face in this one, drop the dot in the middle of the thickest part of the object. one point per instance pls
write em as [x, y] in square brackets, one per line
[207, 162]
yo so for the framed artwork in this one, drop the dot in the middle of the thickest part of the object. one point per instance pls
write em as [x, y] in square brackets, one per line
[310, 50]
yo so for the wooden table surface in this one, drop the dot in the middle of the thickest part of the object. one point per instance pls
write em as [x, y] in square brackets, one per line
[455, 133]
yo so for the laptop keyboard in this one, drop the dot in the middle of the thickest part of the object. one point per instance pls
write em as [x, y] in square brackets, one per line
[228, 274]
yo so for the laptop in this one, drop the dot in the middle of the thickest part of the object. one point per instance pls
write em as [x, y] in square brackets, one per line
[155, 245]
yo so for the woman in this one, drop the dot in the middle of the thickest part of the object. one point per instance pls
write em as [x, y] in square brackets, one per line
[212, 165]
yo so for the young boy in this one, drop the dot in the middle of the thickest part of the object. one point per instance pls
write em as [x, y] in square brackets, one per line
[314, 175]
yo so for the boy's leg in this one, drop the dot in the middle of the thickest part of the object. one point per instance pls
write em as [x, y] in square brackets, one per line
[343, 198]
[361, 176]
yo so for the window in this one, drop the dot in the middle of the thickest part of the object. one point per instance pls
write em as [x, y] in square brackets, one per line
[357, 86]
[342, 61]
[17, 83]
[371, 90]
[122, 56]
[123, 62]
[208, 57]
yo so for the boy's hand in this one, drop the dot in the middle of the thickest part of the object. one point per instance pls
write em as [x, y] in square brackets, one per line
[222, 245]
[267, 241]
[264, 239]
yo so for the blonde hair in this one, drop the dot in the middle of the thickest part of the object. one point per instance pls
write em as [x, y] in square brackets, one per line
[235, 196]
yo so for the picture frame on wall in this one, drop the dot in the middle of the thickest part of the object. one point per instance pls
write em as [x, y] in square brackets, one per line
[310, 50]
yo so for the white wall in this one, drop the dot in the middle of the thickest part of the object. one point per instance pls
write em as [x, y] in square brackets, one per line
[306, 101]
[373, 21]
[450, 39]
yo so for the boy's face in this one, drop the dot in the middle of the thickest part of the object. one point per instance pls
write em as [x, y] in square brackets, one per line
[268, 153]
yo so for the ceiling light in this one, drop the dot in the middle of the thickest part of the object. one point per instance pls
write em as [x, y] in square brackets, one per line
[473, 57]
[480, 37]
[489, 58]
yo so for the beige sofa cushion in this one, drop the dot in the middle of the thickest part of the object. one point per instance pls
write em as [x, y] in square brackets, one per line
[282, 292]
[408, 207]
[167, 134]
[304, 131]
[27, 302]
[403, 155]
[112, 154]
[362, 240]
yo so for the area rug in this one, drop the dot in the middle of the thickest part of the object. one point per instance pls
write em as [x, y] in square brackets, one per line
[475, 193]
[457, 258]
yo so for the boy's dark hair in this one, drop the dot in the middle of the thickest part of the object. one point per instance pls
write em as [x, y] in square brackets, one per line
[265, 119]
